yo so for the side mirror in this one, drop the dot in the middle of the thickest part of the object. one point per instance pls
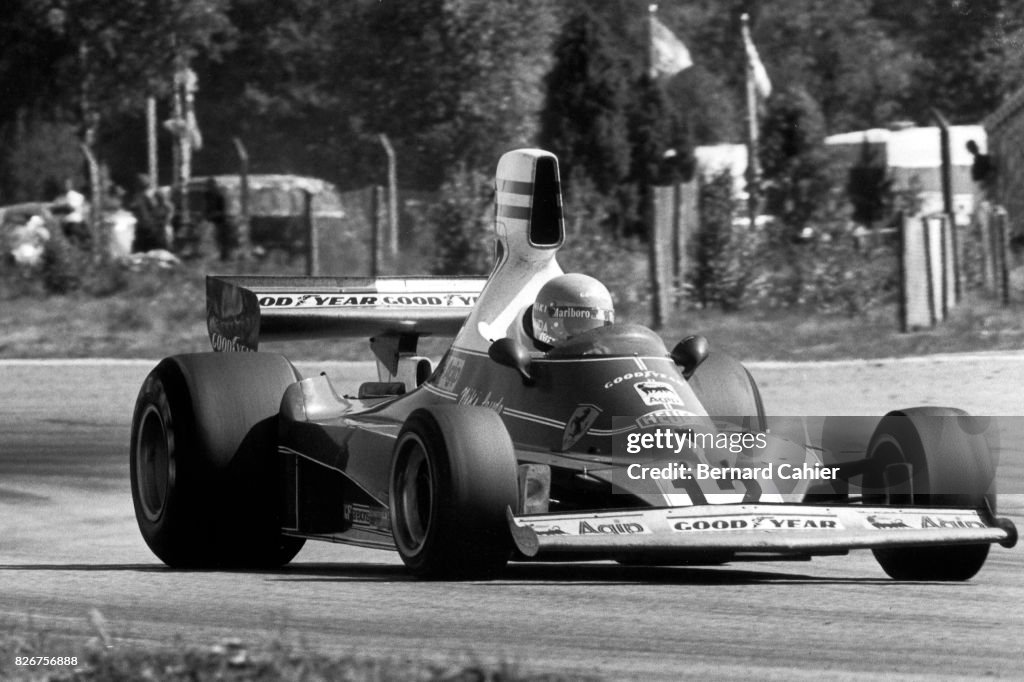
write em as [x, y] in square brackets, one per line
[689, 353]
[511, 353]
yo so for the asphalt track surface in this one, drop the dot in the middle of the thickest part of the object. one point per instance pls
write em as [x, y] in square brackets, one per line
[69, 544]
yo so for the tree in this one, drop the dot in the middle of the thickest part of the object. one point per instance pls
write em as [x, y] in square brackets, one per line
[710, 111]
[34, 140]
[39, 155]
[278, 89]
[113, 54]
[869, 186]
[660, 150]
[449, 82]
[971, 53]
[842, 56]
[461, 225]
[793, 158]
[610, 124]
[30, 49]
[584, 121]
[726, 256]
[105, 58]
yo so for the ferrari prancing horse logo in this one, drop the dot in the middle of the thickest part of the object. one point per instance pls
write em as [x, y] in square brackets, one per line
[578, 424]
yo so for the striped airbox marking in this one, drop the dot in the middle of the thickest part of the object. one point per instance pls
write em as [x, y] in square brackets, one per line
[514, 199]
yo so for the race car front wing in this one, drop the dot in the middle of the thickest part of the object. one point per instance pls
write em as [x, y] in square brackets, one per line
[754, 528]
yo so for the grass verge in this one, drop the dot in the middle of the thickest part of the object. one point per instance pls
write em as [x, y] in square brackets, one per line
[102, 658]
[978, 324]
[162, 312]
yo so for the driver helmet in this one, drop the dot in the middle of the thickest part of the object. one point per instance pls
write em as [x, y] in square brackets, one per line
[569, 305]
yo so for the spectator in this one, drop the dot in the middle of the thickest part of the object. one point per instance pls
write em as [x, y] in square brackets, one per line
[216, 213]
[151, 214]
[982, 170]
[114, 201]
[163, 212]
[74, 209]
[28, 242]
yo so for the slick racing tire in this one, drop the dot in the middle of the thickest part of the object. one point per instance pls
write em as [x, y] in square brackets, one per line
[453, 476]
[203, 460]
[728, 392]
[951, 467]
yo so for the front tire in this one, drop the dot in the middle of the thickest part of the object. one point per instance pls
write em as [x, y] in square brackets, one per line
[728, 392]
[952, 467]
[202, 463]
[453, 476]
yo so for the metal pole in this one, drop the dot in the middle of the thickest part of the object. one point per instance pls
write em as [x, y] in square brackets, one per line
[929, 273]
[753, 167]
[154, 180]
[312, 257]
[375, 202]
[904, 225]
[654, 273]
[95, 218]
[244, 223]
[186, 157]
[185, 86]
[182, 235]
[946, 160]
[392, 197]
[947, 193]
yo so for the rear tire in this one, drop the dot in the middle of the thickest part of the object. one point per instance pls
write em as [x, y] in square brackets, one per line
[952, 467]
[204, 479]
[453, 476]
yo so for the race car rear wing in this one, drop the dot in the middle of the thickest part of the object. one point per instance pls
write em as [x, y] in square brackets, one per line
[244, 310]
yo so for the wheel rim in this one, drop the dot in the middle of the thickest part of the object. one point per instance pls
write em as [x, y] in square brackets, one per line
[153, 464]
[413, 496]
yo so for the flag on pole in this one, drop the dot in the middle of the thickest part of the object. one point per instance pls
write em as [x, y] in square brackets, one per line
[761, 82]
[669, 55]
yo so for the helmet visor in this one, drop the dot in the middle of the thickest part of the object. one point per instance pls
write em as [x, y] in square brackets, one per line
[554, 322]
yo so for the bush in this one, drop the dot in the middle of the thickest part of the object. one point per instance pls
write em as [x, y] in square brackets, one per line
[106, 278]
[736, 267]
[38, 156]
[585, 208]
[63, 265]
[620, 264]
[797, 173]
[832, 276]
[592, 248]
[67, 268]
[15, 281]
[462, 224]
[724, 257]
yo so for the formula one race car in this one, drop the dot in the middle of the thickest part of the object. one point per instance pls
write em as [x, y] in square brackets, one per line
[602, 444]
